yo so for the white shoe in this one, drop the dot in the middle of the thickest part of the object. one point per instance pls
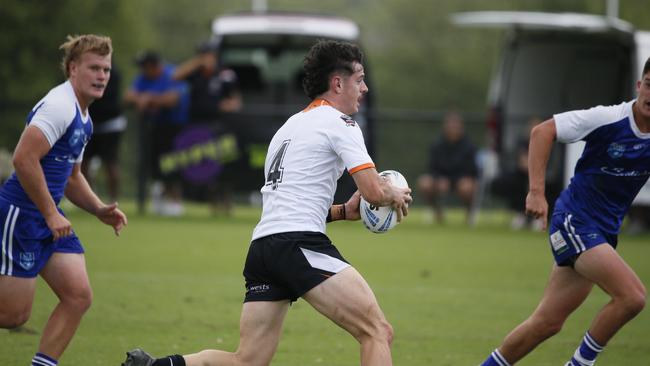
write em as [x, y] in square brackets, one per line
[518, 222]
[172, 209]
[157, 201]
[537, 225]
[427, 217]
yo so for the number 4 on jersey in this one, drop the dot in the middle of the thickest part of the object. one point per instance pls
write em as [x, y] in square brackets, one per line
[274, 176]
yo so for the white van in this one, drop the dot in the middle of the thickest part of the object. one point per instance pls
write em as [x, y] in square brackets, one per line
[555, 62]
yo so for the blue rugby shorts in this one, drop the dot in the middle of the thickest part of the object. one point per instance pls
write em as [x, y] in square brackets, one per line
[571, 235]
[27, 242]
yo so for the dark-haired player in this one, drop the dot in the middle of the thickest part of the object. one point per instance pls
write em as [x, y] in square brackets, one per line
[290, 255]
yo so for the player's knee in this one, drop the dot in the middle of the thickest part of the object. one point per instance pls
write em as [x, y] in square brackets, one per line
[425, 184]
[379, 331]
[389, 333]
[466, 193]
[635, 302]
[14, 319]
[250, 357]
[80, 300]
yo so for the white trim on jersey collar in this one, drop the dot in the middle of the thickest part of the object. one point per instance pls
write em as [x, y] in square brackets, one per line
[86, 118]
[633, 124]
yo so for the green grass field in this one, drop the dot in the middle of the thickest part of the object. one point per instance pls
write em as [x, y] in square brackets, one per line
[451, 293]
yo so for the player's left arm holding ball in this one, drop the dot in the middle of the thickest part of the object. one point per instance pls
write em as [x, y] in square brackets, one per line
[376, 190]
[78, 191]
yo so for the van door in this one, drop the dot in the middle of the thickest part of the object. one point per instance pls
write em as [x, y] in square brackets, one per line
[552, 63]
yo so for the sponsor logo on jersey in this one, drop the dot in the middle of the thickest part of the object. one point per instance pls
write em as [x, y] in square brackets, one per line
[616, 150]
[621, 172]
[348, 120]
[558, 243]
[27, 260]
[638, 147]
[65, 159]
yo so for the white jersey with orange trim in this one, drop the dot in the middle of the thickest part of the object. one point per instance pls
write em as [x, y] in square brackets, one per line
[305, 158]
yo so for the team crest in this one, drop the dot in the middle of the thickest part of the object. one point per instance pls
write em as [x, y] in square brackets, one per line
[348, 120]
[615, 150]
[27, 260]
[77, 135]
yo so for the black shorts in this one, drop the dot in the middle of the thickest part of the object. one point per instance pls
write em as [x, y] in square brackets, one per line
[104, 145]
[285, 266]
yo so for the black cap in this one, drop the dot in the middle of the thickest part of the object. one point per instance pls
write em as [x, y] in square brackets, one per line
[147, 57]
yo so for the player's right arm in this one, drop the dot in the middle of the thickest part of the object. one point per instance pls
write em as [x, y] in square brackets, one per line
[380, 192]
[542, 138]
[31, 148]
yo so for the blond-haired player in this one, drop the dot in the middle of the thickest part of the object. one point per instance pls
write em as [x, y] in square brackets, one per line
[37, 239]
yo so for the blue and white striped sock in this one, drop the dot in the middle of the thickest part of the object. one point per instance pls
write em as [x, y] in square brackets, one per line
[586, 354]
[41, 359]
[495, 359]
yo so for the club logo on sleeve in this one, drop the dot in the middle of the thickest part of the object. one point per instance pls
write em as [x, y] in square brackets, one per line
[558, 243]
[77, 135]
[348, 120]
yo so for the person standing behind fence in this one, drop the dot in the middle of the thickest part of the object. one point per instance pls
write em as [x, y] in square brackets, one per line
[109, 124]
[214, 92]
[163, 102]
[452, 166]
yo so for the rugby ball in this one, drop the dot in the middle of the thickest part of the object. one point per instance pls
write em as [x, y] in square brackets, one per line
[381, 219]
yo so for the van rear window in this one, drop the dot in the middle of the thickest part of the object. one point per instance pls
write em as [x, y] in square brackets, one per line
[547, 78]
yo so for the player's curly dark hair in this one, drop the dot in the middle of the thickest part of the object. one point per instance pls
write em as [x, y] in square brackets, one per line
[646, 67]
[324, 58]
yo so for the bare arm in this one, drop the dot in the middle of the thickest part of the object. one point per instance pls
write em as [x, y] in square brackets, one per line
[380, 192]
[167, 99]
[542, 138]
[130, 97]
[146, 101]
[31, 148]
[78, 191]
[347, 211]
[182, 71]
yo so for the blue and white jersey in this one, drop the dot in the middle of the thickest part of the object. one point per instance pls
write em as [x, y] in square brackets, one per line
[614, 165]
[60, 119]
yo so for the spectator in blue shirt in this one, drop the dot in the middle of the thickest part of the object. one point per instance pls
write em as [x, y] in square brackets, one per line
[164, 103]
